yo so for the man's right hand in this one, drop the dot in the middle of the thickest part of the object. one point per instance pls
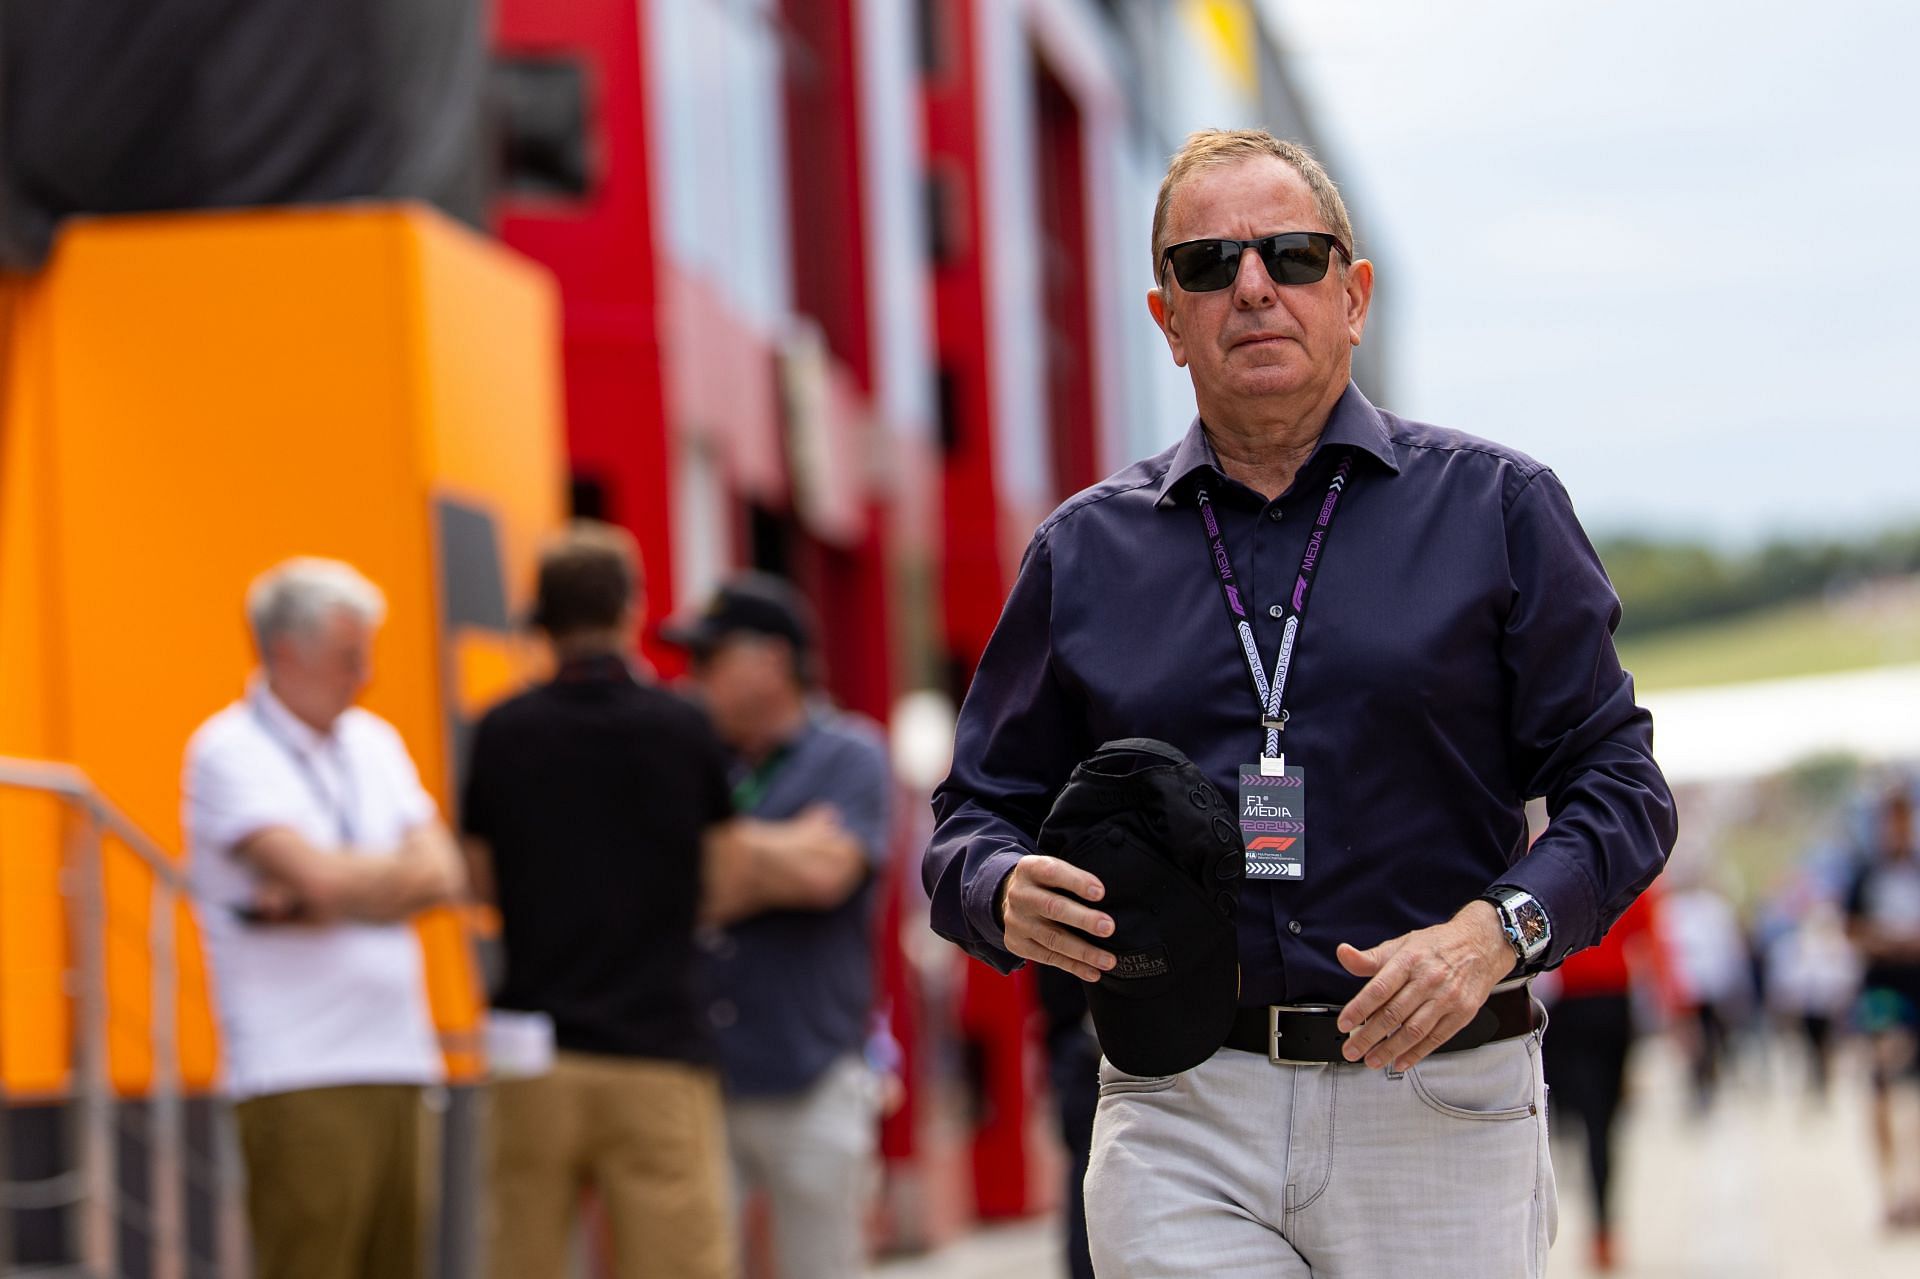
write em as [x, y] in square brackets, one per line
[1039, 901]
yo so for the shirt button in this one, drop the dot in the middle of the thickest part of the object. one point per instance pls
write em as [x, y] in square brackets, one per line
[1273, 513]
[1276, 611]
[1293, 926]
[723, 1014]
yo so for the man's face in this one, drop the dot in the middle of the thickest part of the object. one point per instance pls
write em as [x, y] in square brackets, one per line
[325, 671]
[1256, 339]
[745, 679]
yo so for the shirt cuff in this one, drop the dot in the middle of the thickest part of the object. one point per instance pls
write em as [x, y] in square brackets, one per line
[1566, 893]
[977, 903]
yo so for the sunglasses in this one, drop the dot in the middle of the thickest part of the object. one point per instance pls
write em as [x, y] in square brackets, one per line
[1291, 257]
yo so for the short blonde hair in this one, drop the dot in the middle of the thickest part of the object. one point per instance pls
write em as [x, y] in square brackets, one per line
[1218, 148]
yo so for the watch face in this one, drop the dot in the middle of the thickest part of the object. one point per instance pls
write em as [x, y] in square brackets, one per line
[1531, 919]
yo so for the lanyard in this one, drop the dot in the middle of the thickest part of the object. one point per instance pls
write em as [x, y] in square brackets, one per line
[1272, 692]
[339, 808]
[753, 786]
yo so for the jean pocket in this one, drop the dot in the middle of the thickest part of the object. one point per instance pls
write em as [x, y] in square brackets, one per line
[1496, 1087]
[1115, 1082]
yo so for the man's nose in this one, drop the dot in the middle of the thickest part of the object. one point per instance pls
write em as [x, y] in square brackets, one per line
[1253, 287]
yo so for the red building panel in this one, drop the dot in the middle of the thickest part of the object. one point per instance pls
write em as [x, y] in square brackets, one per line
[600, 246]
[973, 582]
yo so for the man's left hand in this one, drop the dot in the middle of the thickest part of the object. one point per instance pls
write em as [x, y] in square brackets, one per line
[1426, 985]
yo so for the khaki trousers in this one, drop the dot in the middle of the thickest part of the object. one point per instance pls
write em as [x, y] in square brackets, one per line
[646, 1135]
[336, 1188]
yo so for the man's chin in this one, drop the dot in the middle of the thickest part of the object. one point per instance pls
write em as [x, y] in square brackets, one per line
[1280, 377]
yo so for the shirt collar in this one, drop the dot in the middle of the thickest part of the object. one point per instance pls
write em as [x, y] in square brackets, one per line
[595, 668]
[1354, 423]
[283, 723]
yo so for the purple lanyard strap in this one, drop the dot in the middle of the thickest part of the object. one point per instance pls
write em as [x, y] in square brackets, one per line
[1272, 692]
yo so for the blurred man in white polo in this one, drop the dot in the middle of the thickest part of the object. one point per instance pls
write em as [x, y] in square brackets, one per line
[311, 842]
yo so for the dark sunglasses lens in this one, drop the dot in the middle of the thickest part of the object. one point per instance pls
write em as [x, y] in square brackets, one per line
[1205, 265]
[1297, 259]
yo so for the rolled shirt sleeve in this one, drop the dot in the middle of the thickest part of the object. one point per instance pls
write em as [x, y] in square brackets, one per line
[1577, 736]
[1018, 732]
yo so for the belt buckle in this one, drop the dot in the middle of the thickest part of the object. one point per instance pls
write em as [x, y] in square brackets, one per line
[1273, 1031]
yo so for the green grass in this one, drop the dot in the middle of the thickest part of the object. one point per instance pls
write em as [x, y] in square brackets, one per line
[1877, 626]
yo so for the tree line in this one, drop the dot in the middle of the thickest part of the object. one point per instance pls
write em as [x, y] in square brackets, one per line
[1665, 585]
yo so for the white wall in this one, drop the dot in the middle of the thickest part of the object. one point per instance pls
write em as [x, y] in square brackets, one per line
[719, 150]
[898, 286]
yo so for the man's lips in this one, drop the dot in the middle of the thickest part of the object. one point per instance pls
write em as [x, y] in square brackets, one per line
[1260, 339]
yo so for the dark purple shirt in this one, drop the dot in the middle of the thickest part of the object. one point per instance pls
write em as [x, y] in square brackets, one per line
[1456, 659]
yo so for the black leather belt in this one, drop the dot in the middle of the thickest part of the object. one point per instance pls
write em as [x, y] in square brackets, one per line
[1311, 1033]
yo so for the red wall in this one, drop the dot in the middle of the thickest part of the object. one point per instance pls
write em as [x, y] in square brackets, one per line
[1066, 275]
[973, 583]
[601, 250]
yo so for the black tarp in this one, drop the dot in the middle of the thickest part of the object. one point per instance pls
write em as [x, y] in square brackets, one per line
[117, 106]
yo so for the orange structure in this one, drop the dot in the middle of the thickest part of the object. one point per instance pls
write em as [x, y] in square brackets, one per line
[189, 399]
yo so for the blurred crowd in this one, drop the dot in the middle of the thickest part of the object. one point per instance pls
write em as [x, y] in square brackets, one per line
[683, 886]
[1829, 965]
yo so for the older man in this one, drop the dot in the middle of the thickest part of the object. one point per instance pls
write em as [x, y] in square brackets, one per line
[312, 841]
[1403, 630]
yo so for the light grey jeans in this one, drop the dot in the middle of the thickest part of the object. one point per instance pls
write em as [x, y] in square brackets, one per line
[1240, 1167]
[814, 1156]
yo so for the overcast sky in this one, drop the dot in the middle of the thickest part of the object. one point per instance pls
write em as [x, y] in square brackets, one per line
[1669, 247]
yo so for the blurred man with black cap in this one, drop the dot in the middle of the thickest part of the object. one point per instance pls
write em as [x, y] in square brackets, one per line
[587, 802]
[790, 898]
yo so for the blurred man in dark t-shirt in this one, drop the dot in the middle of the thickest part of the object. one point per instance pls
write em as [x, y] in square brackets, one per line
[587, 802]
[790, 895]
[1883, 919]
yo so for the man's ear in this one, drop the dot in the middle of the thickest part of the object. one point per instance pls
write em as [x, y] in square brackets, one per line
[1359, 287]
[1163, 315]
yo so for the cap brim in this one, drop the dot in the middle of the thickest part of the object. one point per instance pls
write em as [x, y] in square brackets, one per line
[695, 636]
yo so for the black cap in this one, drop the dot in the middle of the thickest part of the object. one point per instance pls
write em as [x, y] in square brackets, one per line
[1148, 823]
[751, 603]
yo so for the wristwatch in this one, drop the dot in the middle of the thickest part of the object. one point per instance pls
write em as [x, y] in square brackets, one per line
[1524, 920]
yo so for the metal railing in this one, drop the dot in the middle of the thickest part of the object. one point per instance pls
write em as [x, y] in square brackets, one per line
[104, 1217]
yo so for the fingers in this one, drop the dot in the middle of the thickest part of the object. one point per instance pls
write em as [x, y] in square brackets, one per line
[1420, 1035]
[1425, 992]
[1084, 971]
[1382, 1007]
[1041, 917]
[1057, 943]
[1379, 964]
[1051, 872]
[1045, 890]
[820, 814]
